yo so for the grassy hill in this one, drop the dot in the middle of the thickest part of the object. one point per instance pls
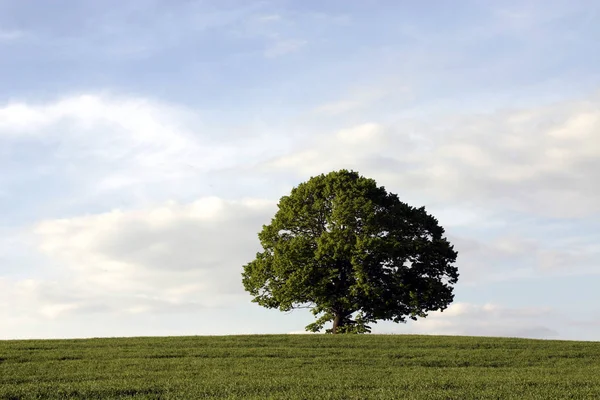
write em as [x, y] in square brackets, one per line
[300, 367]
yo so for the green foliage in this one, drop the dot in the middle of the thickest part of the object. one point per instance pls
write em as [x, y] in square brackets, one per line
[300, 367]
[354, 254]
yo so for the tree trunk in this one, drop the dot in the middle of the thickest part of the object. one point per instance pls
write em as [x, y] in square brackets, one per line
[337, 320]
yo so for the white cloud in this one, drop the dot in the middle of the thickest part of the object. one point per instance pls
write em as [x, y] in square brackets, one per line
[104, 128]
[104, 143]
[269, 18]
[474, 311]
[360, 98]
[345, 148]
[11, 35]
[538, 160]
[26, 300]
[485, 320]
[339, 107]
[176, 256]
[125, 121]
[284, 46]
[188, 256]
[513, 257]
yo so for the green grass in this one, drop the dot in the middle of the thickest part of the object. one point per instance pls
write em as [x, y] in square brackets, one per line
[300, 367]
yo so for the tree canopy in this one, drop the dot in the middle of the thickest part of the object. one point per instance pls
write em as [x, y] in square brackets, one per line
[354, 254]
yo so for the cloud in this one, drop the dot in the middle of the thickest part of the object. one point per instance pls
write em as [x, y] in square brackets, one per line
[361, 98]
[108, 129]
[12, 35]
[474, 311]
[137, 121]
[345, 148]
[512, 257]
[178, 256]
[284, 46]
[538, 160]
[471, 319]
[269, 18]
[175, 257]
[93, 144]
[97, 143]
[339, 107]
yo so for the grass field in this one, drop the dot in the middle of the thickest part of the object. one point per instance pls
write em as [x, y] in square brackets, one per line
[300, 367]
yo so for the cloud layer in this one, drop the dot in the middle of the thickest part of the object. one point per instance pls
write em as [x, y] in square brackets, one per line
[143, 145]
[171, 255]
[539, 160]
[472, 171]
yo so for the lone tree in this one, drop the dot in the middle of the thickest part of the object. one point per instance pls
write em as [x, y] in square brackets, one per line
[354, 254]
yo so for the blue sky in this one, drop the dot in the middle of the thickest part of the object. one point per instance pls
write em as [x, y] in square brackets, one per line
[144, 143]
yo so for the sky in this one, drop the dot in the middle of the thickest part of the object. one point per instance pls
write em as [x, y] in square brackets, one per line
[143, 144]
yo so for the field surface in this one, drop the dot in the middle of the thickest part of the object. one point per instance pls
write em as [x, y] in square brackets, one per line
[300, 367]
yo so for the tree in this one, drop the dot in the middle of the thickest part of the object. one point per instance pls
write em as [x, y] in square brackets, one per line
[354, 254]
